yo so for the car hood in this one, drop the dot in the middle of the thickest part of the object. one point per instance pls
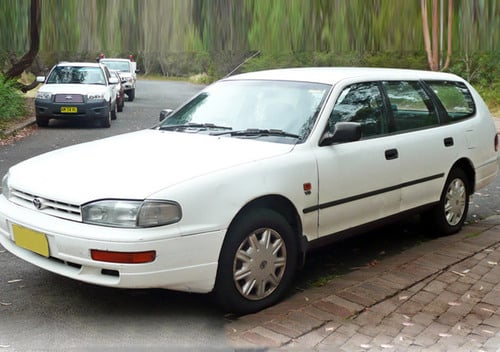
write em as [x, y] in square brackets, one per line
[72, 88]
[134, 165]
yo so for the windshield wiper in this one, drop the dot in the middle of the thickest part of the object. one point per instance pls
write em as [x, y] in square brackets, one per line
[193, 125]
[258, 132]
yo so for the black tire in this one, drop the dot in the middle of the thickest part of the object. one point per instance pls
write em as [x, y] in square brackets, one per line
[106, 120]
[449, 215]
[42, 121]
[113, 111]
[119, 108]
[131, 94]
[261, 285]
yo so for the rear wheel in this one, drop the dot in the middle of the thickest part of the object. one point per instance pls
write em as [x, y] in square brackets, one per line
[257, 263]
[450, 214]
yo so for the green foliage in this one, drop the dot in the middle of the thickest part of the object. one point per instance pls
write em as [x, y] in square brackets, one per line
[482, 70]
[157, 28]
[184, 64]
[315, 58]
[12, 103]
[213, 37]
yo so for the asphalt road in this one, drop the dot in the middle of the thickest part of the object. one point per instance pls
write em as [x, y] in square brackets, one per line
[40, 310]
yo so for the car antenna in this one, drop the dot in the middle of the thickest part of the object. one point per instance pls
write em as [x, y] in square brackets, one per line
[244, 62]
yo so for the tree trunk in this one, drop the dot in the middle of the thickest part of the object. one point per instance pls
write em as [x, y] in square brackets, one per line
[427, 35]
[435, 36]
[432, 43]
[35, 23]
[450, 34]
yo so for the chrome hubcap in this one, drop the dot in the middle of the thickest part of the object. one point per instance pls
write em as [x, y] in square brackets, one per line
[454, 206]
[259, 264]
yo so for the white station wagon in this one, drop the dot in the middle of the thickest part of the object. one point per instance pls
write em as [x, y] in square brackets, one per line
[228, 192]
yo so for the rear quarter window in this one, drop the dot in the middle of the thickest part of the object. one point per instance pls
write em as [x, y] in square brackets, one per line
[455, 97]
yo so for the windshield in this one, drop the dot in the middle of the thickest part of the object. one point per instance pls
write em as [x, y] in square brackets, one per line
[122, 66]
[76, 74]
[258, 108]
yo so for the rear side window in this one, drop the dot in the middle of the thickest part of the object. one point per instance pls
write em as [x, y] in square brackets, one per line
[411, 107]
[455, 97]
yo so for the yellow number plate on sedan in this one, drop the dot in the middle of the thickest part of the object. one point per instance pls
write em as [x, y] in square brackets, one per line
[31, 240]
[69, 109]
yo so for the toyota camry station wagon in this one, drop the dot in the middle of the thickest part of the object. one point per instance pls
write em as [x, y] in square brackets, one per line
[228, 192]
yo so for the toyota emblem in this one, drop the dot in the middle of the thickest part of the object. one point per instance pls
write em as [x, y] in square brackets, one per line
[37, 203]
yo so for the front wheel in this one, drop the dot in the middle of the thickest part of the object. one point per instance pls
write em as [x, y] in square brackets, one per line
[450, 214]
[42, 121]
[113, 111]
[257, 263]
[106, 120]
[131, 94]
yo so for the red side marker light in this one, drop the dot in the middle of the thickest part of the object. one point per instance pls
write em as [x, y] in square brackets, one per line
[123, 257]
[307, 187]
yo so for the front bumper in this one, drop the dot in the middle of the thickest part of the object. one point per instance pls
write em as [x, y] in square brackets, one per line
[94, 110]
[183, 262]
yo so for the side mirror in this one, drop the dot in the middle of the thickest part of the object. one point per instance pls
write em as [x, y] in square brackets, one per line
[165, 113]
[344, 132]
[40, 79]
[113, 80]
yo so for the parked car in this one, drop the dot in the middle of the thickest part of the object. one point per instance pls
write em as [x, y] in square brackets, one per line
[120, 91]
[230, 191]
[128, 72]
[76, 90]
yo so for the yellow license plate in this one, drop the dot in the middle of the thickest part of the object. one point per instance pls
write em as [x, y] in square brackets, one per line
[69, 109]
[31, 240]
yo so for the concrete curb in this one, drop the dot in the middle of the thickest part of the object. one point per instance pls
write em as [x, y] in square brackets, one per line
[17, 127]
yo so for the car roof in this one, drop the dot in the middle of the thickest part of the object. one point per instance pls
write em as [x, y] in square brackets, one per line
[332, 75]
[86, 64]
[113, 59]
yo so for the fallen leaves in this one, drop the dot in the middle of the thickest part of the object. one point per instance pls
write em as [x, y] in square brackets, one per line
[25, 132]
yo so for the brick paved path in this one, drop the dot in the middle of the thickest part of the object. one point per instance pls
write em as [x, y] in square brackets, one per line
[441, 295]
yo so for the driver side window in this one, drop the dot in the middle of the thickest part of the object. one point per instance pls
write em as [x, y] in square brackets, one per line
[361, 103]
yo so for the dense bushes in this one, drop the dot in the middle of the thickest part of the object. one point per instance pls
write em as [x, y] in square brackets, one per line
[12, 103]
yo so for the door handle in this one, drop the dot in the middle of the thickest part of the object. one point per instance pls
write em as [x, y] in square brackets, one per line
[391, 154]
[448, 142]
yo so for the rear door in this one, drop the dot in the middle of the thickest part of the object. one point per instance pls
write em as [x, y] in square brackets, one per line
[426, 148]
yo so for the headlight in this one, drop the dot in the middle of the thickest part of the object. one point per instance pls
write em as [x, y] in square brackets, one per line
[43, 95]
[95, 96]
[5, 186]
[125, 213]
